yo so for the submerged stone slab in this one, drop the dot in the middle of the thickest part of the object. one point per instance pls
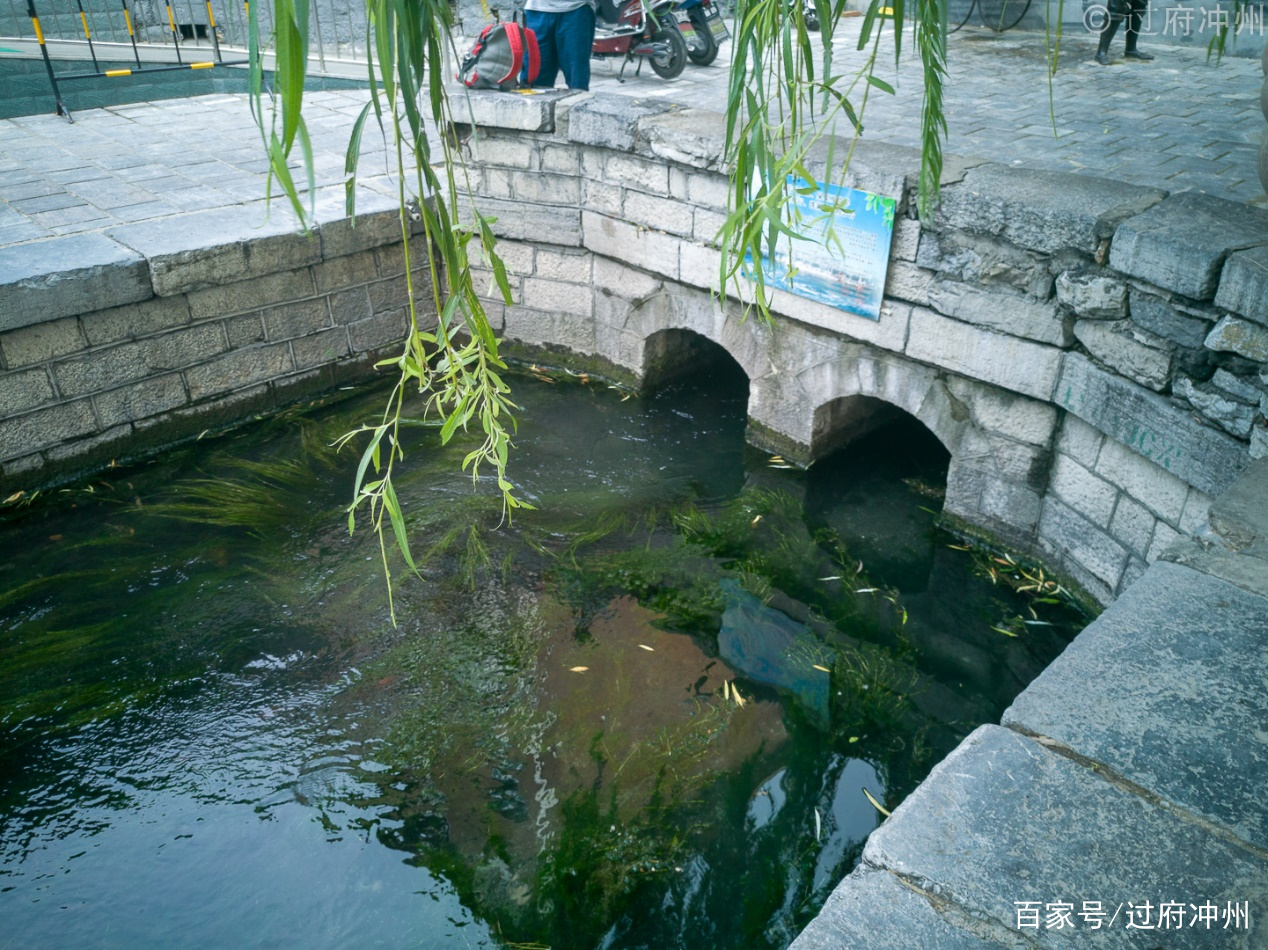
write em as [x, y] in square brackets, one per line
[1182, 243]
[1004, 819]
[1150, 425]
[1172, 672]
[67, 276]
[1043, 211]
[874, 910]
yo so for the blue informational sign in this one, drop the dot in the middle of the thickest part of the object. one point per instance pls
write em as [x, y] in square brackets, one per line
[843, 256]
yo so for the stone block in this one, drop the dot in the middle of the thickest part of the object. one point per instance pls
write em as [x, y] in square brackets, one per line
[66, 276]
[1091, 496]
[1134, 353]
[27, 433]
[1012, 505]
[1003, 311]
[906, 281]
[1005, 413]
[1066, 533]
[244, 329]
[246, 295]
[520, 221]
[1259, 442]
[552, 296]
[560, 160]
[985, 260]
[1244, 388]
[339, 273]
[349, 306]
[141, 400]
[1197, 510]
[1164, 537]
[888, 333]
[611, 121]
[135, 320]
[573, 266]
[905, 242]
[706, 225]
[1181, 243]
[1244, 285]
[879, 911]
[1133, 526]
[222, 246]
[663, 214]
[602, 197]
[1159, 316]
[542, 328]
[320, 348]
[132, 362]
[614, 279]
[1009, 362]
[641, 174]
[378, 331]
[1092, 296]
[40, 342]
[1151, 426]
[1038, 210]
[1232, 415]
[709, 190]
[1158, 490]
[1079, 440]
[545, 188]
[1004, 819]
[491, 108]
[488, 149]
[698, 265]
[626, 242]
[296, 319]
[692, 137]
[377, 221]
[238, 370]
[23, 390]
[878, 167]
[1234, 335]
[1171, 672]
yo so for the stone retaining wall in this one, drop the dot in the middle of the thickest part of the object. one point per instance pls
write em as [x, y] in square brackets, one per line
[1092, 353]
[113, 344]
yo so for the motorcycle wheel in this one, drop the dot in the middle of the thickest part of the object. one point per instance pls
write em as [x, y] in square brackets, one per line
[672, 63]
[706, 49]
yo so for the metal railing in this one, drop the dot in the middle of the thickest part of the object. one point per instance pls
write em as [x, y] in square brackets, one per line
[175, 30]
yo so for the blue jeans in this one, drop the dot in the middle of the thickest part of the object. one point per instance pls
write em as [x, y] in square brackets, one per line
[565, 40]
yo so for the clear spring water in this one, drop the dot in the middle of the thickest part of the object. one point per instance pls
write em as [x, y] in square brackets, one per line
[643, 715]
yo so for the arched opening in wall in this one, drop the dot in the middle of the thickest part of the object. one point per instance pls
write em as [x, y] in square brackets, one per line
[879, 483]
[688, 377]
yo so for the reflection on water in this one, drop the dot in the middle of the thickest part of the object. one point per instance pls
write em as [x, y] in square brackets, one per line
[641, 716]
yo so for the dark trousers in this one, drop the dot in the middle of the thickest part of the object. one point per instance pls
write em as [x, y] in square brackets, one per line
[1135, 15]
[564, 40]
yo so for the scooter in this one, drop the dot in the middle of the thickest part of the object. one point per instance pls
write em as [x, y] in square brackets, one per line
[702, 27]
[643, 28]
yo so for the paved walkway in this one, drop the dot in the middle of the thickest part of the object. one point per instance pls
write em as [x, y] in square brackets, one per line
[1178, 122]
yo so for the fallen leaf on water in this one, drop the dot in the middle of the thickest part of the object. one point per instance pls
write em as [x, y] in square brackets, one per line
[577, 669]
[644, 646]
[726, 689]
[867, 590]
[55, 537]
[875, 804]
[834, 577]
[756, 520]
[824, 668]
[14, 497]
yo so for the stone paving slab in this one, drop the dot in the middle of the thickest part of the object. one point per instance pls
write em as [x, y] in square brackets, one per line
[1176, 124]
[1170, 695]
[1004, 819]
[62, 277]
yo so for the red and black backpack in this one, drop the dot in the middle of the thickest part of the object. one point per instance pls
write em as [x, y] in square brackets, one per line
[499, 56]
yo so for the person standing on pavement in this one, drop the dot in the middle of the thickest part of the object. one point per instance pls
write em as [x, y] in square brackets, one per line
[565, 33]
[1134, 12]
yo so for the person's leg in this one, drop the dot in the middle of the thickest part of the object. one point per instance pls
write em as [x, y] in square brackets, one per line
[544, 26]
[1134, 21]
[1107, 35]
[574, 38]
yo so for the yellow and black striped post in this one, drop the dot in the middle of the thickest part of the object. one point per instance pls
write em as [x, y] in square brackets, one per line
[48, 64]
[211, 25]
[83, 18]
[127, 19]
[176, 39]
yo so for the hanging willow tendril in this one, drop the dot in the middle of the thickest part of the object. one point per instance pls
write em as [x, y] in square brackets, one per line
[772, 125]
